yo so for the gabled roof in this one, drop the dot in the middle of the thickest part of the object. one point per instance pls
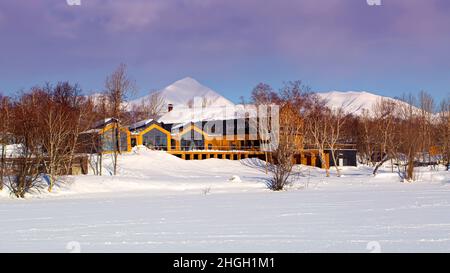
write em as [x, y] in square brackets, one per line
[102, 123]
[101, 126]
[140, 124]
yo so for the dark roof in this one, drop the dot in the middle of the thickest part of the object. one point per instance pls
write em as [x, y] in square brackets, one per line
[102, 123]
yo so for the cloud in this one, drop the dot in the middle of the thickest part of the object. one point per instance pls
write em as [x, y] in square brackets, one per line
[204, 35]
[421, 18]
[135, 15]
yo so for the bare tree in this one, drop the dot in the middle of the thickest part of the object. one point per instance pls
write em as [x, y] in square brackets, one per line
[443, 132]
[384, 118]
[287, 146]
[149, 108]
[118, 87]
[101, 106]
[54, 120]
[409, 142]
[292, 100]
[264, 95]
[4, 134]
[80, 114]
[85, 141]
[317, 121]
[426, 108]
[27, 132]
[60, 118]
[366, 137]
[203, 102]
[156, 105]
[336, 121]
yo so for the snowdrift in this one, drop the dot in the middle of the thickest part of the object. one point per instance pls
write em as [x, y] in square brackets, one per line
[157, 172]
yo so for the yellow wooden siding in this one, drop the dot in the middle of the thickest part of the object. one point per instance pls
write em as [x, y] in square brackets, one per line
[139, 137]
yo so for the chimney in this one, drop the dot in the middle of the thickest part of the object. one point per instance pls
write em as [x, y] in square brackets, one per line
[170, 107]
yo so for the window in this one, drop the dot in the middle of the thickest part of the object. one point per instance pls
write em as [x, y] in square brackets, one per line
[109, 140]
[155, 139]
[192, 140]
[123, 141]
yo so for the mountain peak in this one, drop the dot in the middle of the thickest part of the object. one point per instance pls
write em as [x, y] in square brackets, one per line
[187, 80]
[187, 83]
[183, 91]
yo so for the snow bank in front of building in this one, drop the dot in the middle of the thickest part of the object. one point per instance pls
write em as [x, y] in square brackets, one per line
[157, 172]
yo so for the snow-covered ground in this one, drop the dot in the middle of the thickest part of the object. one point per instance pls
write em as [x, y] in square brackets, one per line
[159, 203]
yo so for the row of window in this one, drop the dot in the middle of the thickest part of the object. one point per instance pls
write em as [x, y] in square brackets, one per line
[157, 140]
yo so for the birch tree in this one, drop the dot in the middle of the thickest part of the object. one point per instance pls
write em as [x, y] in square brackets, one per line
[317, 123]
[118, 87]
[4, 134]
[384, 112]
[443, 132]
[335, 122]
[409, 135]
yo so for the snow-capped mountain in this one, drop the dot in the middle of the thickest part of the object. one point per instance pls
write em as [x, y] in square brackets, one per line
[181, 92]
[352, 101]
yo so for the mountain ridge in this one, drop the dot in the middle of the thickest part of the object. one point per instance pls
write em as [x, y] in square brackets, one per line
[355, 102]
[182, 92]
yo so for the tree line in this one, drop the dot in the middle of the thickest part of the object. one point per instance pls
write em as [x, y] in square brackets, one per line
[42, 128]
[409, 131]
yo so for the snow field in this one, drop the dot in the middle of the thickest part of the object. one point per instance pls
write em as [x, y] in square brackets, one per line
[160, 203]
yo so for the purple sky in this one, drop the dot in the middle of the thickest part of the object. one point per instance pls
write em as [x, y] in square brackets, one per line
[229, 45]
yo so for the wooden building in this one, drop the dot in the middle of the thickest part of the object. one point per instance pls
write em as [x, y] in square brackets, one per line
[233, 139]
[204, 140]
[151, 134]
[106, 136]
